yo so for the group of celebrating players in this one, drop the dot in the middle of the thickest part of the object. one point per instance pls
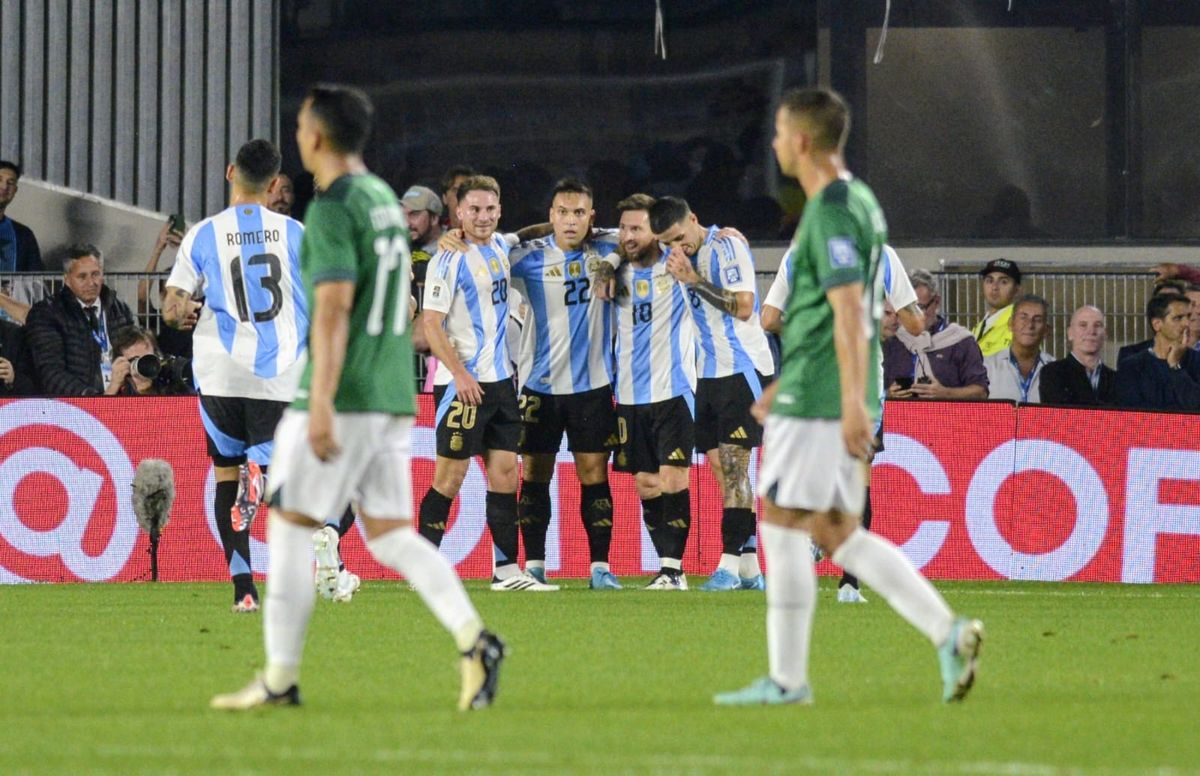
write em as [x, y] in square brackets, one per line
[660, 316]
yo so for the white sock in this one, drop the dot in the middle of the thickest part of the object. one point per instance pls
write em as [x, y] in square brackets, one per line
[671, 563]
[507, 570]
[535, 564]
[731, 563]
[791, 601]
[748, 564]
[289, 602]
[599, 566]
[431, 574]
[881, 564]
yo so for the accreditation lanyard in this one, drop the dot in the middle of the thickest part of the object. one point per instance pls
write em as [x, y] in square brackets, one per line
[1024, 384]
[100, 335]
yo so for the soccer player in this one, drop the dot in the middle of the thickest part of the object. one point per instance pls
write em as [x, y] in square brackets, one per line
[347, 433]
[819, 429]
[248, 341]
[734, 363]
[466, 323]
[655, 381]
[898, 290]
[567, 389]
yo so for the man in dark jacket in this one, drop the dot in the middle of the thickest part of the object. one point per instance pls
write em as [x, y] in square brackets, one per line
[19, 250]
[1166, 376]
[70, 334]
[16, 376]
[1081, 379]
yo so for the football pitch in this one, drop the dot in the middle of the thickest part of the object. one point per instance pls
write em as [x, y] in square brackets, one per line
[1075, 678]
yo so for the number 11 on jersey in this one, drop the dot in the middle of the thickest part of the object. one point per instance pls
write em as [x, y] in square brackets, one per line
[393, 254]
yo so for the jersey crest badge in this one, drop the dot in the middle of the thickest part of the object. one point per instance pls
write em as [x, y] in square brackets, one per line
[642, 288]
[574, 269]
[494, 266]
[662, 284]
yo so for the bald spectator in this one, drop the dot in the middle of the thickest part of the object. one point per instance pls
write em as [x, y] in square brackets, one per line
[943, 362]
[1081, 379]
[1167, 375]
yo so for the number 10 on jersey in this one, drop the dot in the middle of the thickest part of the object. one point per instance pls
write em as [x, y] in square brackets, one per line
[393, 254]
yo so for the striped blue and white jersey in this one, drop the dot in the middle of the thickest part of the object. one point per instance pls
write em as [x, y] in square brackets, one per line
[471, 289]
[655, 352]
[726, 345]
[253, 329]
[897, 288]
[572, 350]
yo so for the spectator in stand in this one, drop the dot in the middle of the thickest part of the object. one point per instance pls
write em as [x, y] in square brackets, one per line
[944, 362]
[451, 180]
[175, 342]
[1081, 379]
[16, 378]
[1015, 372]
[1167, 375]
[70, 334]
[1193, 295]
[1169, 286]
[281, 194]
[423, 209]
[19, 251]
[1001, 284]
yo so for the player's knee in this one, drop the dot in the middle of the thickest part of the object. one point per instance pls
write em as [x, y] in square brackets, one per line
[673, 478]
[536, 467]
[592, 468]
[448, 476]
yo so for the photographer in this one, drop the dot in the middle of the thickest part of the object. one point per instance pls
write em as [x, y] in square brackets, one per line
[140, 369]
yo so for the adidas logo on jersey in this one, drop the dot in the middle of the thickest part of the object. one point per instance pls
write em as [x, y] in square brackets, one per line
[677, 455]
[554, 272]
[739, 433]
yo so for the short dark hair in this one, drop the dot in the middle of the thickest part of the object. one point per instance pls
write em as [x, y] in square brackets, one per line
[667, 212]
[7, 165]
[571, 186]
[128, 336]
[479, 183]
[825, 112]
[345, 113]
[1032, 299]
[455, 171]
[1170, 286]
[1159, 305]
[636, 202]
[258, 163]
[81, 251]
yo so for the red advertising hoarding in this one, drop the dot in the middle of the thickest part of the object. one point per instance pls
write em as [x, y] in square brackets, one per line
[969, 490]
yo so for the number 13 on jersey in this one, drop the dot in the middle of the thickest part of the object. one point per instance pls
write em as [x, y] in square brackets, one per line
[393, 254]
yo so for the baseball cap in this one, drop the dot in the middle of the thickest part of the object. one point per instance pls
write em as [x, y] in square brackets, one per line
[422, 198]
[1007, 266]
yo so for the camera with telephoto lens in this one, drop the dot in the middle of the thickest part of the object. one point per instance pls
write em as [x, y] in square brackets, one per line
[167, 371]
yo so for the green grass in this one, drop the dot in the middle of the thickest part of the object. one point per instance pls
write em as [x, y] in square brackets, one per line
[1079, 678]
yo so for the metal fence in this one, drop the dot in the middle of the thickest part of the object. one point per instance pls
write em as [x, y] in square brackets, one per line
[1121, 292]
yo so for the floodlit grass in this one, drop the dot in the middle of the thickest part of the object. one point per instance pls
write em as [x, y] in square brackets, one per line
[116, 679]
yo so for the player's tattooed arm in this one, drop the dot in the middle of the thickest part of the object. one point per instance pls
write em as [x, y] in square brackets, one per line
[739, 304]
[735, 475]
[606, 281]
[178, 309]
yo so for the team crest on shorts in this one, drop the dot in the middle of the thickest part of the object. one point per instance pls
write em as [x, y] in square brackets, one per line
[642, 288]
[574, 269]
[622, 460]
[456, 442]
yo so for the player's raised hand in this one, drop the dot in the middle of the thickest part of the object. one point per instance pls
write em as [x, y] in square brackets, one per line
[680, 266]
[191, 317]
[321, 436]
[453, 241]
[467, 389]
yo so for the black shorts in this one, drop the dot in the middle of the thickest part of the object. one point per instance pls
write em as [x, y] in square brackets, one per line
[654, 435]
[588, 419]
[723, 411]
[239, 428]
[465, 430]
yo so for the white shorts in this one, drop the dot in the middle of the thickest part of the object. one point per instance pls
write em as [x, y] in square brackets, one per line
[372, 469]
[805, 466]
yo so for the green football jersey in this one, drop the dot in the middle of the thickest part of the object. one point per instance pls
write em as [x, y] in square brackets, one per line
[839, 241]
[357, 231]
